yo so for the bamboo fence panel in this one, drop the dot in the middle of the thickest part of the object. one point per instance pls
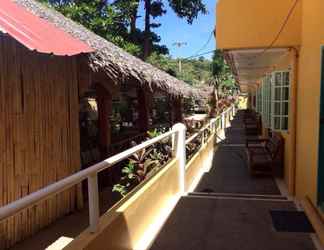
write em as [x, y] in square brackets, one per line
[39, 135]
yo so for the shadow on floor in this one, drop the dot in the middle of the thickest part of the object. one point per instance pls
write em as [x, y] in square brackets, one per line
[227, 224]
[230, 174]
[230, 209]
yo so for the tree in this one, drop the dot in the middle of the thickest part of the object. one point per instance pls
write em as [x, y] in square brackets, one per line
[115, 20]
[110, 21]
[188, 9]
[195, 72]
[222, 74]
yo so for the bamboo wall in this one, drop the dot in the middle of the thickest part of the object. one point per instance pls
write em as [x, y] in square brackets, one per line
[39, 134]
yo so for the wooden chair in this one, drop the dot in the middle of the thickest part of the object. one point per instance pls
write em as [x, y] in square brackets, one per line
[252, 122]
[265, 156]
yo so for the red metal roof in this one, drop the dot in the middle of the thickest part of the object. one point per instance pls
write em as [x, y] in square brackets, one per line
[36, 33]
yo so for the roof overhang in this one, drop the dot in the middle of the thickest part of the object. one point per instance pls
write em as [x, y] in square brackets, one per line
[36, 33]
[251, 65]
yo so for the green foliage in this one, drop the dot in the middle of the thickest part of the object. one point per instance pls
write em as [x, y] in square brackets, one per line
[119, 188]
[139, 167]
[221, 72]
[143, 164]
[109, 21]
[188, 9]
[153, 133]
[194, 71]
[116, 20]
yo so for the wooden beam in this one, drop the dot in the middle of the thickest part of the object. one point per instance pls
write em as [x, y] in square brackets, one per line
[143, 110]
[177, 110]
[104, 100]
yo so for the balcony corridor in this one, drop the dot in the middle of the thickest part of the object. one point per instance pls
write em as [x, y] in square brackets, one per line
[229, 209]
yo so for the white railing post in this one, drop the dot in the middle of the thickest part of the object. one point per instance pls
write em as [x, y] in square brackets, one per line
[179, 149]
[223, 121]
[203, 138]
[213, 125]
[93, 202]
[226, 118]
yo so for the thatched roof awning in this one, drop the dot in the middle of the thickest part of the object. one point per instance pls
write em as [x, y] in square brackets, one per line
[115, 62]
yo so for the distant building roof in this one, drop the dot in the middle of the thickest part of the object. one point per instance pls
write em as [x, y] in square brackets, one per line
[36, 33]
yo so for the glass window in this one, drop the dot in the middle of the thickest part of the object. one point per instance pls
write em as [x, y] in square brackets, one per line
[263, 96]
[280, 100]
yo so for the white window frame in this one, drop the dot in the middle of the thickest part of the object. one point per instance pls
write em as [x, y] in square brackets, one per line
[266, 105]
[281, 101]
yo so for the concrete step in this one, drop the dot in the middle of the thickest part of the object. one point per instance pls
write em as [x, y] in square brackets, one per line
[239, 196]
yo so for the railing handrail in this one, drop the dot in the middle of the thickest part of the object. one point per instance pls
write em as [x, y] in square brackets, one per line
[66, 183]
[195, 135]
[133, 138]
[209, 124]
[179, 143]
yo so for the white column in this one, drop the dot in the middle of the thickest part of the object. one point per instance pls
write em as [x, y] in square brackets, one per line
[179, 150]
[223, 121]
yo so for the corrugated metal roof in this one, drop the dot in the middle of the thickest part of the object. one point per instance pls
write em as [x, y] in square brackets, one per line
[36, 33]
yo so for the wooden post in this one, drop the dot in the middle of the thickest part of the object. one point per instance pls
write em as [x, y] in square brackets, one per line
[143, 110]
[104, 100]
[177, 114]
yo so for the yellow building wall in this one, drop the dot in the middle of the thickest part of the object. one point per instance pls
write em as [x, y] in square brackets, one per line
[309, 99]
[255, 23]
[290, 136]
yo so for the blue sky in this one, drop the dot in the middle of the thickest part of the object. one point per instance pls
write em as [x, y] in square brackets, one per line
[174, 29]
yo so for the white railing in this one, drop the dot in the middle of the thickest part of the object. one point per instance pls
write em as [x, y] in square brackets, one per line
[178, 134]
[211, 125]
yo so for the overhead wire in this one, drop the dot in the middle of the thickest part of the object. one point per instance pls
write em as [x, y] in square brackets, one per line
[206, 44]
[282, 27]
[202, 54]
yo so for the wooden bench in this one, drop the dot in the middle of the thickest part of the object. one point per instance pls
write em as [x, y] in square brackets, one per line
[266, 156]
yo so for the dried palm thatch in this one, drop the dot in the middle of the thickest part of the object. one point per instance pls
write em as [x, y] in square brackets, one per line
[114, 61]
[205, 91]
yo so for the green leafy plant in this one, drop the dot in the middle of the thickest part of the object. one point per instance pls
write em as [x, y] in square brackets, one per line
[119, 188]
[153, 133]
[143, 164]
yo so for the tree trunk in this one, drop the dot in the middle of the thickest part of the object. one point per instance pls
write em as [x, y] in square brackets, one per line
[102, 4]
[133, 20]
[216, 90]
[147, 31]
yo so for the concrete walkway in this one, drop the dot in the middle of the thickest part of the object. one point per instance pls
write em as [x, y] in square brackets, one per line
[62, 231]
[230, 210]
